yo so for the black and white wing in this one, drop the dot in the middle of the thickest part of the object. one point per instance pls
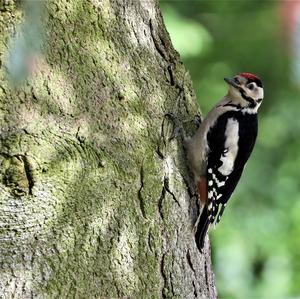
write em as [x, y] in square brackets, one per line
[230, 141]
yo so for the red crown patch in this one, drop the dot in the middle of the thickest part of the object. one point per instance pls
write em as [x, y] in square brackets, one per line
[249, 76]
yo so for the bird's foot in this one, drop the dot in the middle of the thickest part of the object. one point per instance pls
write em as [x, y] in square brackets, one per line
[178, 130]
[197, 121]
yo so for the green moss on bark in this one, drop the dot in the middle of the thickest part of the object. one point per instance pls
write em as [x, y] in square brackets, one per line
[104, 212]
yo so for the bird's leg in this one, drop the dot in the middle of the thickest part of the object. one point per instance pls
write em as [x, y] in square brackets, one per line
[178, 130]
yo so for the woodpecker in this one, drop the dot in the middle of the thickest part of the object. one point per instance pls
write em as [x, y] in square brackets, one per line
[219, 150]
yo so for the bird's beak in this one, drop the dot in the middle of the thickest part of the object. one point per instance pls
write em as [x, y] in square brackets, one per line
[231, 82]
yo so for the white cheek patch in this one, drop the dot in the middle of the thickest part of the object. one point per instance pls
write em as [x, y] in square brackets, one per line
[231, 144]
[235, 92]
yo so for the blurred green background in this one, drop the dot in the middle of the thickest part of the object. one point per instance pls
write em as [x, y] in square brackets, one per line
[256, 248]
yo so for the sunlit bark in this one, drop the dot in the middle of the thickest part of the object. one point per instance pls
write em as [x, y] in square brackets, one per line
[93, 197]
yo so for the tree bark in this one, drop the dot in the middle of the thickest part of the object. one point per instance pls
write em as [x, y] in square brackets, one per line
[94, 198]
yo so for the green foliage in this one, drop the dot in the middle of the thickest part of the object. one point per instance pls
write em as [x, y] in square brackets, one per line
[256, 248]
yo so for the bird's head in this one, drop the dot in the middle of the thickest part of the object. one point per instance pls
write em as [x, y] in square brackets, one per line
[246, 89]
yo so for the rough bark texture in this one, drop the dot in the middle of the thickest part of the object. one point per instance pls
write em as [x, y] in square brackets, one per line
[94, 200]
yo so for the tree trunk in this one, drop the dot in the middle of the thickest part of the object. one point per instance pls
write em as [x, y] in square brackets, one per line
[94, 199]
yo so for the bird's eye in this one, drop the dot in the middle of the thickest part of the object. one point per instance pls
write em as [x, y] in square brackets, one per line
[236, 80]
[251, 86]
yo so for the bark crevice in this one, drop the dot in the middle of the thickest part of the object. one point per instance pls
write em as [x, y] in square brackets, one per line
[167, 188]
[140, 195]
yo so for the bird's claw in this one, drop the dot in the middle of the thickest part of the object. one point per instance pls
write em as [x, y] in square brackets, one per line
[197, 121]
[177, 126]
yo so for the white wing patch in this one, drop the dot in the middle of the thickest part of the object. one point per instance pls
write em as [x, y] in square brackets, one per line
[231, 146]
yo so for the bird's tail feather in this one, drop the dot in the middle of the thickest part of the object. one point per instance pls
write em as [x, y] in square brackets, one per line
[202, 228]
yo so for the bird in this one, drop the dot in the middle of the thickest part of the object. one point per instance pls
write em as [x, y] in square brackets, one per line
[218, 151]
